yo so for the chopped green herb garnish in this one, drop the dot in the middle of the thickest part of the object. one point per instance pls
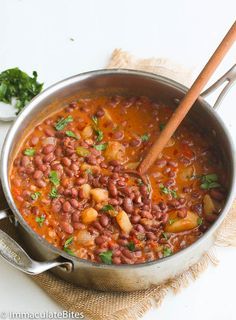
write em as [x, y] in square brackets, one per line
[95, 120]
[71, 134]
[60, 125]
[149, 189]
[106, 257]
[53, 177]
[40, 220]
[101, 147]
[29, 152]
[145, 137]
[162, 126]
[165, 235]
[108, 207]
[83, 152]
[167, 252]
[199, 221]
[209, 181]
[99, 134]
[131, 246]
[171, 221]
[35, 195]
[68, 242]
[140, 182]
[89, 171]
[17, 84]
[53, 194]
[166, 190]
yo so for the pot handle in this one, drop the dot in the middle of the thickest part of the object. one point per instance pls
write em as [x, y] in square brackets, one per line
[14, 254]
[229, 78]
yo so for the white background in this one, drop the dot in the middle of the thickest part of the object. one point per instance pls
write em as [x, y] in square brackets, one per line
[35, 35]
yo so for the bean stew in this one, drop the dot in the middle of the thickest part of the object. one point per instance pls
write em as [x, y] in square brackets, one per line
[70, 181]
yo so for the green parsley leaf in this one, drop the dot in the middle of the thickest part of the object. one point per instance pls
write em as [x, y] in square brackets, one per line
[209, 181]
[149, 189]
[108, 207]
[140, 182]
[95, 120]
[71, 134]
[53, 177]
[106, 257]
[68, 242]
[162, 126]
[36, 195]
[53, 194]
[167, 252]
[60, 125]
[199, 221]
[99, 134]
[29, 152]
[83, 152]
[69, 251]
[17, 84]
[171, 221]
[145, 137]
[165, 235]
[166, 190]
[89, 171]
[101, 147]
[131, 246]
[40, 220]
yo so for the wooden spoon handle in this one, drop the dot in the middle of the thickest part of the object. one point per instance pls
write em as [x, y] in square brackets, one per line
[188, 100]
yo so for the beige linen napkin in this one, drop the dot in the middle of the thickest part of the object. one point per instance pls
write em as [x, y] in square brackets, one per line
[97, 305]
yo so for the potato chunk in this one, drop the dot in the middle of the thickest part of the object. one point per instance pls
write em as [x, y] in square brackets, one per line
[84, 238]
[89, 215]
[99, 195]
[182, 224]
[209, 205]
[86, 188]
[87, 132]
[115, 151]
[124, 222]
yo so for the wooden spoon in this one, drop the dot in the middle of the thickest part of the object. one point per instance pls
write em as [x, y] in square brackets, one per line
[188, 100]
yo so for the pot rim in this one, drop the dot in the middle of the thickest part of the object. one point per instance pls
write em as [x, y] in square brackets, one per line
[67, 82]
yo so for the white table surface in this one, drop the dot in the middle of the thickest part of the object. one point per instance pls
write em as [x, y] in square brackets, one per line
[35, 35]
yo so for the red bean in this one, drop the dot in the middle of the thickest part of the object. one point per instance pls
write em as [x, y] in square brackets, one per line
[112, 189]
[66, 206]
[104, 220]
[48, 149]
[74, 203]
[116, 260]
[122, 242]
[76, 216]
[34, 140]
[135, 142]
[100, 112]
[38, 174]
[161, 163]
[173, 164]
[118, 135]
[128, 205]
[67, 227]
[100, 240]
[80, 181]
[78, 226]
[92, 160]
[40, 183]
[66, 161]
[49, 157]
[135, 219]
[25, 161]
[56, 207]
[49, 132]
[182, 213]
[127, 253]
[35, 210]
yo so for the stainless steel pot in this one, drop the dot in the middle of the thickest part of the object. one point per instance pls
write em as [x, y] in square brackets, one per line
[43, 256]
